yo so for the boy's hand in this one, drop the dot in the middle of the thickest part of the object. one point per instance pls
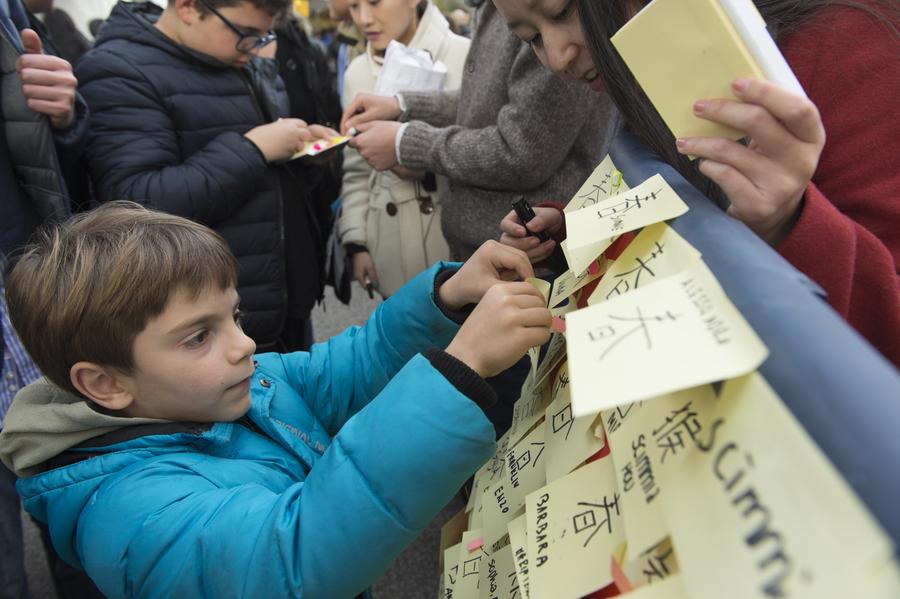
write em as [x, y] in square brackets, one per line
[285, 137]
[510, 318]
[369, 107]
[513, 233]
[47, 82]
[490, 264]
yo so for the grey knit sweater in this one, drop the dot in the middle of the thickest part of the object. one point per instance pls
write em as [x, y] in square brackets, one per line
[513, 128]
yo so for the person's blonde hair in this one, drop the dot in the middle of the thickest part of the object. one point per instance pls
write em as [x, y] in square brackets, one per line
[83, 290]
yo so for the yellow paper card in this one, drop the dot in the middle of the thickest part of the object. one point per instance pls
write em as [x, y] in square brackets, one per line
[526, 466]
[579, 259]
[568, 441]
[668, 588]
[678, 333]
[490, 472]
[676, 69]
[647, 439]
[498, 575]
[574, 524]
[568, 283]
[524, 473]
[603, 182]
[451, 569]
[652, 565]
[541, 285]
[650, 202]
[528, 410]
[467, 575]
[758, 504]
[497, 511]
[518, 543]
[657, 252]
[451, 533]
[556, 351]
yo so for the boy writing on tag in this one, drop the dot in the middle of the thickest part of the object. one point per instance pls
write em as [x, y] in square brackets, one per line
[168, 460]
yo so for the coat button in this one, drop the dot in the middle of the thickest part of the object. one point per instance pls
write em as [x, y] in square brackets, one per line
[391, 208]
[265, 383]
[470, 66]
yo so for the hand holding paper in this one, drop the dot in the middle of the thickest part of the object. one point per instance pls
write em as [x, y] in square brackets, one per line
[510, 318]
[765, 181]
[490, 264]
[281, 139]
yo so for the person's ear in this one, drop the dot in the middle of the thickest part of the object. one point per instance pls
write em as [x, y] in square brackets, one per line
[102, 385]
[188, 11]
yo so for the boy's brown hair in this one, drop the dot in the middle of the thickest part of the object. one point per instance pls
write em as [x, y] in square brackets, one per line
[275, 8]
[84, 289]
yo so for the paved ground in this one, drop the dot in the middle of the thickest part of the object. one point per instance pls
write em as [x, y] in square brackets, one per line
[414, 575]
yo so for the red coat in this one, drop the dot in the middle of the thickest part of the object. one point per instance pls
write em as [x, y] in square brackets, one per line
[847, 237]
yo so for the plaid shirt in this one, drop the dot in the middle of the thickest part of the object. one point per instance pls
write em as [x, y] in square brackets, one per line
[18, 368]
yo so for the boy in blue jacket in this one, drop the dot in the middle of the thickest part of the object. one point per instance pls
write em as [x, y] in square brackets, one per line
[169, 460]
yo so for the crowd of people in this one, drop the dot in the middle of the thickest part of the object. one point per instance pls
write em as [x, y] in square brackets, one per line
[158, 344]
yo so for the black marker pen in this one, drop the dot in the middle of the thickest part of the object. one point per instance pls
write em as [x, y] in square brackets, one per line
[525, 214]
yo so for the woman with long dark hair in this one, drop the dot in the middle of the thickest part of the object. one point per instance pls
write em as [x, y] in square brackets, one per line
[831, 208]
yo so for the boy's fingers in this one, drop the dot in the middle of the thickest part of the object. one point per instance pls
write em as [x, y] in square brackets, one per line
[510, 258]
[31, 41]
[797, 113]
[535, 317]
[523, 289]
[322, 132]
[41, 63]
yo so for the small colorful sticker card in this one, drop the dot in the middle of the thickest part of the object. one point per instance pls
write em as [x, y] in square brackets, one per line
[318, 146]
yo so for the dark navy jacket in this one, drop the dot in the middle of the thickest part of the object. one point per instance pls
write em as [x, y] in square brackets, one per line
[167, 131]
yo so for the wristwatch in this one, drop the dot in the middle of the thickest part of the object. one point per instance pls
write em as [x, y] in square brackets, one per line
[404, 109]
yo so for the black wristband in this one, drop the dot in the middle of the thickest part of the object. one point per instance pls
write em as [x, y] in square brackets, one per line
[467, 381]
[457, 316]
[355, 248]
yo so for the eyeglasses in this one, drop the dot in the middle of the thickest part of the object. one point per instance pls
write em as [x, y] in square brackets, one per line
[247, 42]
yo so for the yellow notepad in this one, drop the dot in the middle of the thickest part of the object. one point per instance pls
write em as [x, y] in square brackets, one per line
[681, 51]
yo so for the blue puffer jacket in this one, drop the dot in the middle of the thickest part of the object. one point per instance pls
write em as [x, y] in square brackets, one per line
[362, 441]
[167, 130]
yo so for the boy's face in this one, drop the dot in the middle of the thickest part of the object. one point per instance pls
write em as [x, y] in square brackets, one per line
[209, 34]
[193, 363]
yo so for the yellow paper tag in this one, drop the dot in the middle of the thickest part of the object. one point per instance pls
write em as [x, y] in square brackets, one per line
[678, 333]
[758, 502]
[657, 252]
[650, 202]
[574, 524]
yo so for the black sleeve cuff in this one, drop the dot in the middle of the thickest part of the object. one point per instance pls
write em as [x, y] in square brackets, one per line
[466, 380]
[354, 248]
[457, 316]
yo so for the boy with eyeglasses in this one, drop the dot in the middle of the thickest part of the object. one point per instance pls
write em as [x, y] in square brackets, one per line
[188, 119]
